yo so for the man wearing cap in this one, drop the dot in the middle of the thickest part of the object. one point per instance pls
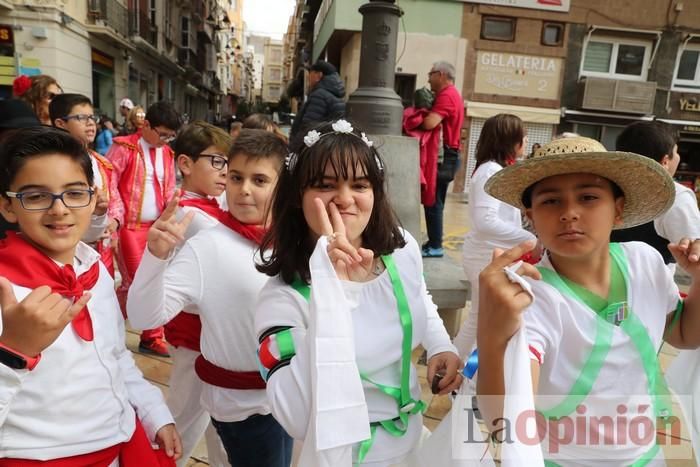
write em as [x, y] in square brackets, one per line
[325, 101]
[14, 114]
[125, 106]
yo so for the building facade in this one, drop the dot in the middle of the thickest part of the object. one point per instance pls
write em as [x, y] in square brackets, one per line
[147, 50]
[272, 71]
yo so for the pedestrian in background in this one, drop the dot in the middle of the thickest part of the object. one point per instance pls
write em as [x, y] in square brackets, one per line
[447, 110]
[495, 224]
[103, 140]
[37, 91]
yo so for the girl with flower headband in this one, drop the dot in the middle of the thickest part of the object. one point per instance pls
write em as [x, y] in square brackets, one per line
[344, 309]
[37, 91]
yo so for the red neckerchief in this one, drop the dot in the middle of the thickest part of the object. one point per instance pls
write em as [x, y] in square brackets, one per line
[24, 265]
[254, 233]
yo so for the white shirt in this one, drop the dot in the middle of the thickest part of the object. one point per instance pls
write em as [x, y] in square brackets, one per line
[98, 224]
[495, 224]
[215, 271]
[378, 338]
[683, 217]
[201, 219]
[81, 396]
[150, 211]
[562, 331]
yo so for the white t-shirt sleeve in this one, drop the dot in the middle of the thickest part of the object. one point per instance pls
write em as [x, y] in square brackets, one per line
[289, 387]
[682, 219]
[162, 288]
[485, 208]
[542, 322]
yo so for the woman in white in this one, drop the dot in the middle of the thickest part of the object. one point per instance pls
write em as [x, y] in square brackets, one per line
[494, 224]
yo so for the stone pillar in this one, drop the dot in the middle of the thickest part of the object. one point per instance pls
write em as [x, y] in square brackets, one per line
[374, 106]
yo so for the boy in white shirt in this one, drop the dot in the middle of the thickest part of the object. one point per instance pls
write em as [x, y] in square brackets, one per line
[214, 271]
[201, 153]
[69, 389]
[596, 319]
[658, 141]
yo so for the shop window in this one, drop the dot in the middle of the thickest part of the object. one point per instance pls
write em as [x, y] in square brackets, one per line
[498, 28]
[687, 73]
[616, 58]
[552, 34]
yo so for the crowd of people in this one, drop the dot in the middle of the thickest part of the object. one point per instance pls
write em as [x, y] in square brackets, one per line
[275, 274]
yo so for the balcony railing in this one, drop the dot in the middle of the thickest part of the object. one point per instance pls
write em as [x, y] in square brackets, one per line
[140, 25]
[112, 13]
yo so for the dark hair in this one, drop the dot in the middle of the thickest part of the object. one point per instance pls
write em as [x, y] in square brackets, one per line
[258, 144]
[526, 198]
[27, 143]
[199, 135]
[263, 122]
[289, 239]
[163, 114]
[498, 139]
[651, 139]
[62, 105]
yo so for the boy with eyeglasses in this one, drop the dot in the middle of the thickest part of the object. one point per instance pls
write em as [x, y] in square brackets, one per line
[70, 392]
[202, 156]
[75, 114]
[144, 169]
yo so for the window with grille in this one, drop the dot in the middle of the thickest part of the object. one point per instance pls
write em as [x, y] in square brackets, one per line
[616, 58]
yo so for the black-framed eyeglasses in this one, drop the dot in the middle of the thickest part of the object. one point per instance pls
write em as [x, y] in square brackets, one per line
[51, 95]
[432, 72]
[43, 200]
[82, 118]
[217, 161]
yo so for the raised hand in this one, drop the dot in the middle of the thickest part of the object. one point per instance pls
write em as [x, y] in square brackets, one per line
[33, 324]
[102, 203]
[687, 255]
[167, 232]
[501, 302]
[350, 263]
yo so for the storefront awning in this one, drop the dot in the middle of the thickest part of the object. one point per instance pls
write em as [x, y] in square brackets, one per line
[527, 114]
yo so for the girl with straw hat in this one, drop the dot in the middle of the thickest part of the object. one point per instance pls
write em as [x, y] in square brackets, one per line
[590, 318]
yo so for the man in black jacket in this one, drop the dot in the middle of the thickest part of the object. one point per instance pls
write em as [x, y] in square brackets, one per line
[324, 102]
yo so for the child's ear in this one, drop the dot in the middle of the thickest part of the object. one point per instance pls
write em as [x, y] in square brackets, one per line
[7, 210]
[665, 160]
[184, 163]
[528, 214]
[619, 208]
[59, 123]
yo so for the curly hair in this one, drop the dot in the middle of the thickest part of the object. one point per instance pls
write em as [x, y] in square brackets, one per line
[37, 93]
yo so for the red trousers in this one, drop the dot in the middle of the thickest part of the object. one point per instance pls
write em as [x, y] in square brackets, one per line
[132, 243]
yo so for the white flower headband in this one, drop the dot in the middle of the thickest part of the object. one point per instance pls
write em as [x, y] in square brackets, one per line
[340, 126]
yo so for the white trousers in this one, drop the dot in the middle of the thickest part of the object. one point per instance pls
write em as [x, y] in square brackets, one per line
[191, 420]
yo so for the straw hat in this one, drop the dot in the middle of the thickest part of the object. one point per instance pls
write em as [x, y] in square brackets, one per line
[648, 188]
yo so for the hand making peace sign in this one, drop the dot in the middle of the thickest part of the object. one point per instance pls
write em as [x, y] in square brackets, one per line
[167, 232]
[350, 263]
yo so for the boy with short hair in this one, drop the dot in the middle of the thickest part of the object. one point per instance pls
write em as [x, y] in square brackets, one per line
[596, 319]
[75, 114]
[144, 168]
[201, 153]
[69, 389]
[658, 141]
[215, 271]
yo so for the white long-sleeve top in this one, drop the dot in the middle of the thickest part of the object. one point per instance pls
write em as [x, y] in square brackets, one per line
[494, 224]
[378, 337]
[683, 217]
[215, 272]
[81, 397]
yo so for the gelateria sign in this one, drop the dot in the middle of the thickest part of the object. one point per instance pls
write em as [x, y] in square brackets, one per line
[549, 5]
[517, 75]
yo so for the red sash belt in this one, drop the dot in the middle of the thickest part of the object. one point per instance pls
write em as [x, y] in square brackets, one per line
[217, 376]
[184, 331]
[137, 452]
